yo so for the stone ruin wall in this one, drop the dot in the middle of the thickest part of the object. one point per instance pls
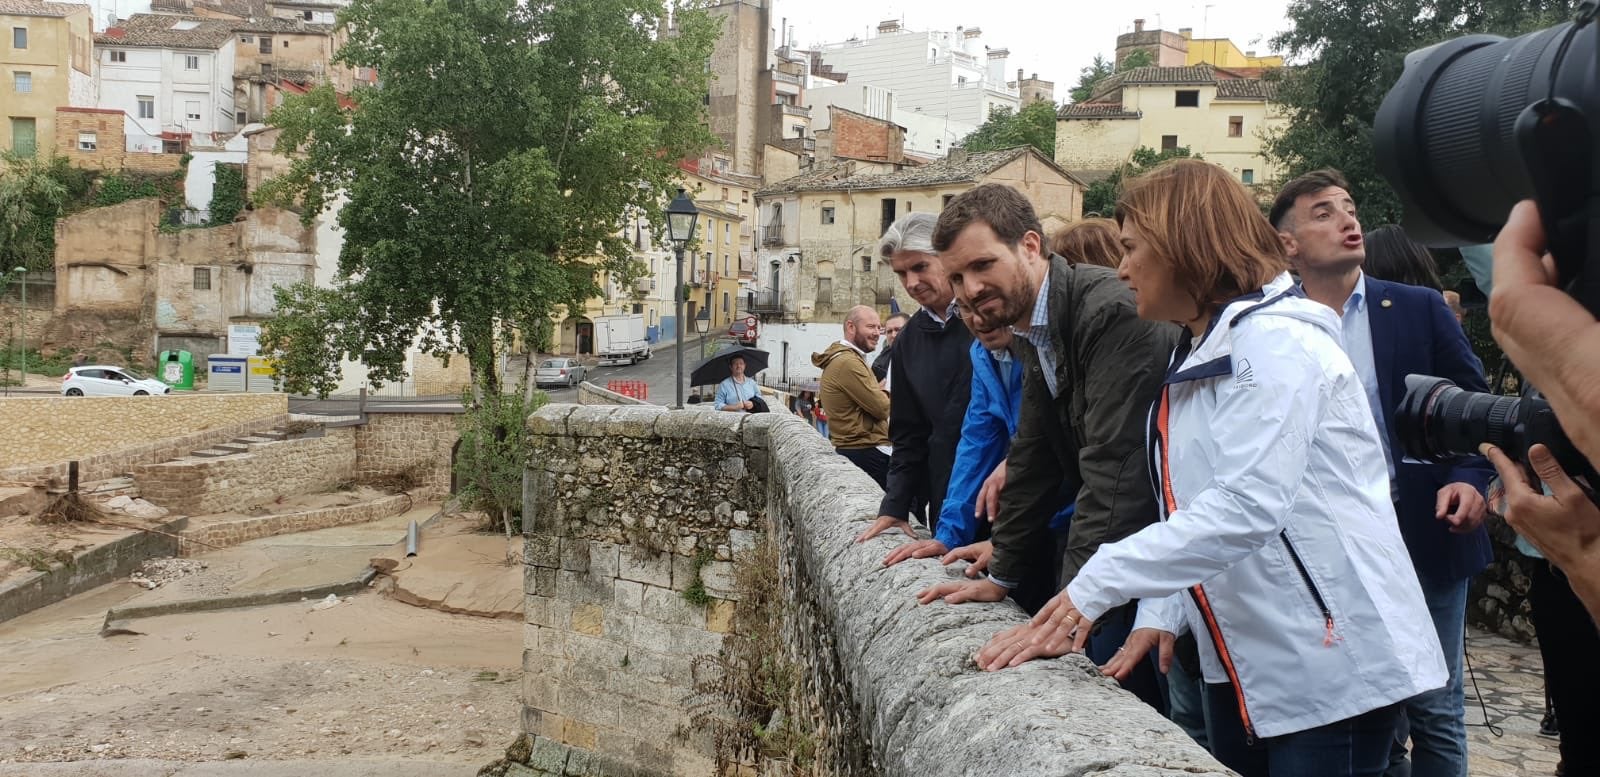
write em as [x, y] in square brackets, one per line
[623, 503]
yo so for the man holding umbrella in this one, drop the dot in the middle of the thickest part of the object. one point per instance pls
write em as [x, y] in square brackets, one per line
[737, 392]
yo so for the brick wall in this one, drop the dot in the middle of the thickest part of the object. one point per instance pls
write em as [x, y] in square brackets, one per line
[107, 126]
[245, 480]
[153, 163]
[391, 442]
[118, 431]
[856, 136]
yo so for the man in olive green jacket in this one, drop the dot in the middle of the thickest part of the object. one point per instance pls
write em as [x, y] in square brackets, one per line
[858, 408]
[1091, 369]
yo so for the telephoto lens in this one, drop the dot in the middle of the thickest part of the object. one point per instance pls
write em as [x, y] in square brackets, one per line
[1445, 136]
[1439, 421]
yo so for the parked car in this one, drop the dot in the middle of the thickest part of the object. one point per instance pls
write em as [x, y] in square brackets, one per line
[742, 334]
[560, 372]
[104, 381]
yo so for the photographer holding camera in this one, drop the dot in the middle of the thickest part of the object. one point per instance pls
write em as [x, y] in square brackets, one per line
[1556, 344]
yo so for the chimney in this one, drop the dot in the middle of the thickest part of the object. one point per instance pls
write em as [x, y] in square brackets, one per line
[975, 32]
[1186, 32]
[1138, 25]
[1249, 53]
[1019, 75]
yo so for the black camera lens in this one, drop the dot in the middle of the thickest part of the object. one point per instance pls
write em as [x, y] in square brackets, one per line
[1439, 421]
[1445, 134]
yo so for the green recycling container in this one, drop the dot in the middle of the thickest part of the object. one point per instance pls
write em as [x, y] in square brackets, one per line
[176, 369]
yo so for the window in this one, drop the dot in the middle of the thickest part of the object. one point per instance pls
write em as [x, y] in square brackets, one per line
[1188, 98]
[191, 110]
[241, 118]
[24, 137]
[1169, 142]
[744, 196]
[727, 265]
[827, 215]
[888, 215]
[946, 202]
[724, 194]
[727, 231]
[147, 107]
[202, 279]
[825, 290]
[87, 141]
[866, 263]
[191, 62]
[117, 56]
[265, 46]
[908, 206]
[247, 39]
[22, 81]
[1247, 176]
[1235, 126]
[285, 44]
[19, 37]
[726, 302]
[305, 15]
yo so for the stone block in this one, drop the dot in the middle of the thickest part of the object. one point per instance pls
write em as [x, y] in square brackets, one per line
[578, 735]
[636, 689]
[588, 619]
[635, 421]
[719, 427]
[758, 428]
[719, 616]
[627, 595]
[595, 706]
[552, 642]
[659, 667]
[549, 756]
[718, 577]
[536, 610]
[618, 625]
[673, 639]
[538, 689]
[574, 555]
[604, 653]
[605, 559]
[539, 581]
[669, 606]
[582, 763]
[542, 550]
[550, 421]
[742, 540]
[582, 588]
[643, 566]
[676, 424]
[590, 421]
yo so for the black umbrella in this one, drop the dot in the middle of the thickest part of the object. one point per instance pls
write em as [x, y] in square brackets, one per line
[715, 368]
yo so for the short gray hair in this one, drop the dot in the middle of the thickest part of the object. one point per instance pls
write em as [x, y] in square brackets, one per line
[912, 232]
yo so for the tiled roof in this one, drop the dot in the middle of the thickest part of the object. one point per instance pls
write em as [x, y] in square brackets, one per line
[160, 31]
[40, 8]
[1246, 89]
[1191, 74]
[274, 25]
[945, 171]
[1096, 111]
[244, 9]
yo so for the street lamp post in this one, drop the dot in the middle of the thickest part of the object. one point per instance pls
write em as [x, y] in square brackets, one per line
[681, 218]
[23, 271]
[702, 325]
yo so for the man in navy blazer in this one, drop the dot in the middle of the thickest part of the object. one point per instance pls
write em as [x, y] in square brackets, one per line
[1392, 330]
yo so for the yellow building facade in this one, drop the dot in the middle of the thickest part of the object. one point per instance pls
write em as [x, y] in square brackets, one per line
[45, 63]
[1223, 53]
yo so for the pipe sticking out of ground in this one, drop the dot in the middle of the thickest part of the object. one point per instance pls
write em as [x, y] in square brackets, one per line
[413, 535]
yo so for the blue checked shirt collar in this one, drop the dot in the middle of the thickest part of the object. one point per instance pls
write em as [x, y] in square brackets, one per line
[1039, 334]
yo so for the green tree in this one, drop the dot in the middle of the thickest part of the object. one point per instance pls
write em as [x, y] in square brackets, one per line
[1140, 58]
[1100, 199]
[227, 193]
[494, 453]
[1090, 77]
[483, 182]
[32, 196]
[1034, 125]
[1354, 51]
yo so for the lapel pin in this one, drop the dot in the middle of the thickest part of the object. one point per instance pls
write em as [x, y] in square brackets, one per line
[1387, 303]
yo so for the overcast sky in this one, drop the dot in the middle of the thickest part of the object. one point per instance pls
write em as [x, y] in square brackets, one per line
[1055, 40]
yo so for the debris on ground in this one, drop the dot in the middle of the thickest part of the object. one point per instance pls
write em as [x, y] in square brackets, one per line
[157, 572]
[330, 601]
[135, 507]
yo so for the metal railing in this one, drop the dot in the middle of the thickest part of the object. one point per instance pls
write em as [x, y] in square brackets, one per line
[772, 234]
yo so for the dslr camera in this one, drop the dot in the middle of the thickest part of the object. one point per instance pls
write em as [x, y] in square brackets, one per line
[1473, 126]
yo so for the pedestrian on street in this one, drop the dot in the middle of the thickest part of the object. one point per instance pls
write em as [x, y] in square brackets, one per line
[737, 393]
[930, 378]
[891, 331]
[858, 410]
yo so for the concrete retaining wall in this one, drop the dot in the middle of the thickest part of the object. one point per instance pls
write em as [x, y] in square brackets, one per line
[591, 394]
[89, 569]
[226, 534]
[621, 500]
[103, 432]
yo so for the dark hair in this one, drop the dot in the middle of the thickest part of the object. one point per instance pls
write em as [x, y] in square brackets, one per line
[1090, 241]
[893, 316]
[1006, 211]
[1229, 252]
[1392, 256]
[1310, 183]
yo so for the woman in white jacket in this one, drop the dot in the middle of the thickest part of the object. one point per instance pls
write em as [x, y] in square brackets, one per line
[1278, 546]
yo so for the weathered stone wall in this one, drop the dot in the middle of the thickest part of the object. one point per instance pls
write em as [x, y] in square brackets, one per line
[245, 480]
[1498, 600]
[89, 569]
[431, 377]
[53, 430]
[891, 684]
[389, 443]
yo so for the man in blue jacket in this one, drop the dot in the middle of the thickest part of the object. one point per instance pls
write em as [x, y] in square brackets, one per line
[1392, 330]
[979, 471]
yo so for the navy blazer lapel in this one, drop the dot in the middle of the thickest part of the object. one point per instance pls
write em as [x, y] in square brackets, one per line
[1382, 314]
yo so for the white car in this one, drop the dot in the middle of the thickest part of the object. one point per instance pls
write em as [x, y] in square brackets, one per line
[103, 381]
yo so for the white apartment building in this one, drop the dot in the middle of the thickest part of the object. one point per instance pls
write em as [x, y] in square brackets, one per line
[171, 76]
[945, 75]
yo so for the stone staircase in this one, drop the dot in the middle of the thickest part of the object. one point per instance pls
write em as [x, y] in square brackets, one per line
[241, 444]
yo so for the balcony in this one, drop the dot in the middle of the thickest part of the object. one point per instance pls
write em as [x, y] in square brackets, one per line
[772, 234]
[762, 302]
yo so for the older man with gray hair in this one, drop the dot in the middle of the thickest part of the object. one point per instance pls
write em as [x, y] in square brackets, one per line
[930, 378]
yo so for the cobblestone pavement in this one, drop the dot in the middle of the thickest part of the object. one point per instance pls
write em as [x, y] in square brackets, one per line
[1510, 679]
